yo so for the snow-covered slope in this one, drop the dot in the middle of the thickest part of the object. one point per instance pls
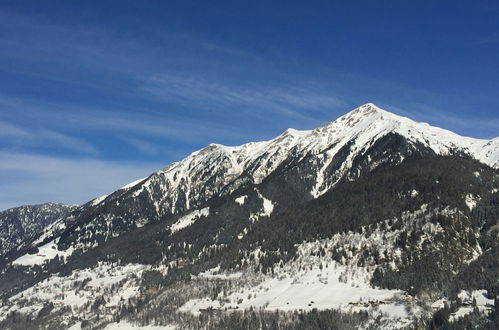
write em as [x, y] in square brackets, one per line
[225, 166]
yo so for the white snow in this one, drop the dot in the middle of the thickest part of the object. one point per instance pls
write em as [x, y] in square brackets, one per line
[483, 304]
[241, 200]
[244, 232]
[265, 211]
[57, 226]
[45, 253]
[314, 288]
[215, 273]
[195, 306]
[462, 311]
[439, 304]
[471, 201]
[98, 200]
[81, 288]
[76, 326]
[480, 297]
[268, 207]
[189, 219]
[129, 326]
[394, 310]
[125, 325]
[133, 184]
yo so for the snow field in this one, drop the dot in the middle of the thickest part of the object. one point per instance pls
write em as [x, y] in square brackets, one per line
[189, 219]
[114, 283]
[45, 253]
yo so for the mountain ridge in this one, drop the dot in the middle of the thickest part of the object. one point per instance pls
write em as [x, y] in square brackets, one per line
[357, 206]
[23, 222]
[242, 157]
[328, 153]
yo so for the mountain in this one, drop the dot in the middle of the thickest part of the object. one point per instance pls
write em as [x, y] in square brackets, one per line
[371, 221]
[21, 224]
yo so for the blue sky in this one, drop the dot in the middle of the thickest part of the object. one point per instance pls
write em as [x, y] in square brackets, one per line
[94, 94]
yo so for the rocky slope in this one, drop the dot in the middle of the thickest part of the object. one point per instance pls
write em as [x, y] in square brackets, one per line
[22, 224]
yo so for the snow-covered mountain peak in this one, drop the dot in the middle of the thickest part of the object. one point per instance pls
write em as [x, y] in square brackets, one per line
[358, 118]
[372, 120]
[367, 109]
[210, 148]
[218, 168]
[294, 132]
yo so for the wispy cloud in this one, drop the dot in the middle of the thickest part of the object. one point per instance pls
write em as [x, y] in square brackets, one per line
[9, 130]
[139, 121]
[142, 145]
[73, 48]
[299, 101]
[182, 69]
[32, 179]
[21, 137]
